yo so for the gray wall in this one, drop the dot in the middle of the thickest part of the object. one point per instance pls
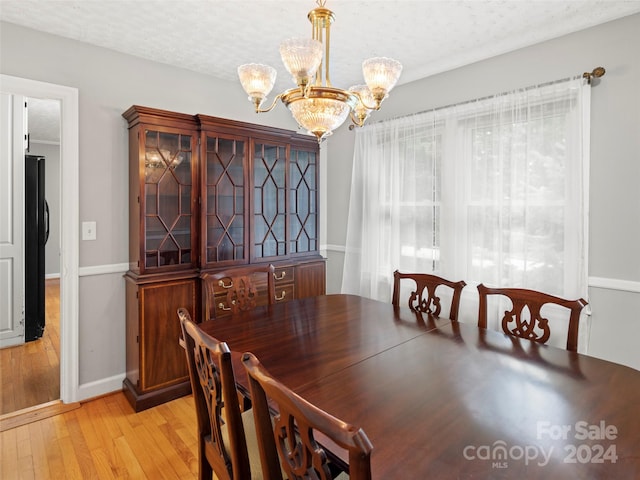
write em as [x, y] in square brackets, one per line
[110, 82]
[614, 259]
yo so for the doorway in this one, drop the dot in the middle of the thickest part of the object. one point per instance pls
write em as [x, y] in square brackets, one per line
[69, 220]
[32, 368]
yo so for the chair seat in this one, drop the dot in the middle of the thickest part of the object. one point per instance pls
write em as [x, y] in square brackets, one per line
[252, 443]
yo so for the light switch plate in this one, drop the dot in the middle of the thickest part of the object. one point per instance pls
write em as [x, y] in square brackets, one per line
[88, 230]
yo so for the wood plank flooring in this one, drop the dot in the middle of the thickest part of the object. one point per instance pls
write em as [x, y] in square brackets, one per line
[105, 439]
[30, 373]
[102, 438]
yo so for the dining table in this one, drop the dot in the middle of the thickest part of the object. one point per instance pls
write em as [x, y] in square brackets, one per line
[445, 399]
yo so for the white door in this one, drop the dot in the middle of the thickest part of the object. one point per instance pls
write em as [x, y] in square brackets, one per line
[12, 146]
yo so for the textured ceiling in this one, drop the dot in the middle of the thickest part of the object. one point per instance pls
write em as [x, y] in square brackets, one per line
[44, 120]
[215, 36]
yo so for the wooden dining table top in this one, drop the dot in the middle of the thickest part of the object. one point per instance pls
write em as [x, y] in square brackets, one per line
[443, 399]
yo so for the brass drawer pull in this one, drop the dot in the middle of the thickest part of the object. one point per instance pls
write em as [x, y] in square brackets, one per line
[226, 309]
[282, 275]
[229, 285]
[280, 298]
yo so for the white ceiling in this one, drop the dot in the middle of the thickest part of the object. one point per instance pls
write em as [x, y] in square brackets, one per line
[43, 120]
[215, 36]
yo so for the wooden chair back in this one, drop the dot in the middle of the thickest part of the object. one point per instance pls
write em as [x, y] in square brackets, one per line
[287, 441]
[424, 299]
[536, 327]
[237, 289]
[222, 446]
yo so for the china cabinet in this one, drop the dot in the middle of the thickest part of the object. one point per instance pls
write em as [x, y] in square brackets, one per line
[209, 194]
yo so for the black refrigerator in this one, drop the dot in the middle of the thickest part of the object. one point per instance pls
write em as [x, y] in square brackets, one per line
[36, 236]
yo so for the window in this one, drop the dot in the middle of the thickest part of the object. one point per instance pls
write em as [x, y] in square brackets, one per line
[490, 191]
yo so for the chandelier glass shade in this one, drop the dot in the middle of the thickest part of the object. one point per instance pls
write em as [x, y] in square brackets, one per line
[321, 110]
[257, 80]
[316, 105]
[301, 57]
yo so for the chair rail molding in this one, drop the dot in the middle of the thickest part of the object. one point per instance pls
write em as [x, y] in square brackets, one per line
[594, 282]
[614, 284]
[333, 248]
[103, 269]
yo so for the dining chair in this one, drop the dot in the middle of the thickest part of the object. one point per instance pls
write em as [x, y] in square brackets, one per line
[288, 439]
[532, 326]
[227, 443]
[423, 299]
[237, 289]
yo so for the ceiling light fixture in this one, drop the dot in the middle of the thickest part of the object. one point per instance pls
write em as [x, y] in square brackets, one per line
[316, 105]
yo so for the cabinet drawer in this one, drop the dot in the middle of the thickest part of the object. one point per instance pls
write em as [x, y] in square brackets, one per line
[284, 293]
[284, 275]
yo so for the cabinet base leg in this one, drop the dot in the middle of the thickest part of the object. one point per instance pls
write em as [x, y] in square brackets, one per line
[142, 401]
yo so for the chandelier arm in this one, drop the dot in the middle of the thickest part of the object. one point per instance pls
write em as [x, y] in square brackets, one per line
[368, 107]
[271, 107]
[356, 121]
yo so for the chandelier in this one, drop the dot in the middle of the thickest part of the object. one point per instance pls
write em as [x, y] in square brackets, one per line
[316, 105]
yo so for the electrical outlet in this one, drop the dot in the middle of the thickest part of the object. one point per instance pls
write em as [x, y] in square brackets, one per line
[88, 230]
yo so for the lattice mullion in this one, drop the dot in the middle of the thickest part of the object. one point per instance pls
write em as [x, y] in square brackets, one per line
[164, 240]
[269, 172]
[303, 176]
[226, 227]
[270, 227]
[225, 170]
[303, 227]
[170, 230]
[278, 209]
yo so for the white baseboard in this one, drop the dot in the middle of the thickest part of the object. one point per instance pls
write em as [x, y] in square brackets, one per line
[100, 387]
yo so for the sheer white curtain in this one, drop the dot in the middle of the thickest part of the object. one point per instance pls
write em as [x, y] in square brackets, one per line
[492, 191]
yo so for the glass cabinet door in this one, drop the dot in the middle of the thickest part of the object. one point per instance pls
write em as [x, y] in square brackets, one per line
[303, 196]
[269, 200]
[167, 205]
[224, 199]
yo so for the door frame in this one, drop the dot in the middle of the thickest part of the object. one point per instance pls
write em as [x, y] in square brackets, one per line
[69, 221]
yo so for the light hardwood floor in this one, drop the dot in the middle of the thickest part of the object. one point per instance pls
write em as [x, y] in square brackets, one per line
[30, 373]
[105, 439]
[102, 438]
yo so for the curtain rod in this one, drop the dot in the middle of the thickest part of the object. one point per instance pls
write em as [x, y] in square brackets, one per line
[595, 73]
